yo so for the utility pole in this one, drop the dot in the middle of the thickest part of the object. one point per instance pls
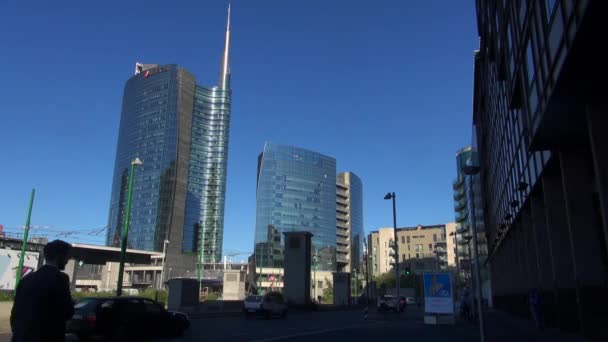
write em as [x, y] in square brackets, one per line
[24, 243]
[125, 231]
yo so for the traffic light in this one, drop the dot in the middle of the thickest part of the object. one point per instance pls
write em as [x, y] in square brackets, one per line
[407, 271]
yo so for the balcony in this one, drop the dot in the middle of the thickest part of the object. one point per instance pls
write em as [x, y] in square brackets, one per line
[342, 241]
[342, 217]
[340, 209]
[459, 182]
[342, 258]
[461, 217]
[462, 229]
[341, 193]
[460, 205]
[342, 232]
[459, 194]
[341, 224]
[341, 200]
[342, 249]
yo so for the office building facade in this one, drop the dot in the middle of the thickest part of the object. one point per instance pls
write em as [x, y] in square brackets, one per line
[349, 222]
[421, 248]
[539, 123]
[296, 191]
[179, 130]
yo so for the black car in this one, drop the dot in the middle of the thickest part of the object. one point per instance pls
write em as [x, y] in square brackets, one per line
[124, 318]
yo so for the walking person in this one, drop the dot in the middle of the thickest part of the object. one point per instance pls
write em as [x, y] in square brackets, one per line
[43, 302]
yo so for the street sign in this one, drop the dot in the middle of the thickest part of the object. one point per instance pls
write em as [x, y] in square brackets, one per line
[438, 296]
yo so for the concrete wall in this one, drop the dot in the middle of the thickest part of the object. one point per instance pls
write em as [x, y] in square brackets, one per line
[234, 285]
[341, 288]
[297, 267]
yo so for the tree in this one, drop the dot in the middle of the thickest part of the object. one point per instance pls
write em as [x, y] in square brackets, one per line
[328, 292]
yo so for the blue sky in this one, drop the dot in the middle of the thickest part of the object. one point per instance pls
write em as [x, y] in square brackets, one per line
[385, 87]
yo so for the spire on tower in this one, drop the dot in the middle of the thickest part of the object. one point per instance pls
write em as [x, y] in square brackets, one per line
[224, 83]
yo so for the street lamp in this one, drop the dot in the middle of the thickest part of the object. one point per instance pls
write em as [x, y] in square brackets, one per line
[125, 232]
[388, 196]
[162, 270]
[356, 283]
[471, 170]
[314, 275]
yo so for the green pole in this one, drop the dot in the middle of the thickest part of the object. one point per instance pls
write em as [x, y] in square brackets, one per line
[125, 231]
[314, 274]
[199, 272]
[25, 233]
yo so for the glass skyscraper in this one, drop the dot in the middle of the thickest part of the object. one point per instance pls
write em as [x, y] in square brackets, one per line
[180, 131]
[296, 191]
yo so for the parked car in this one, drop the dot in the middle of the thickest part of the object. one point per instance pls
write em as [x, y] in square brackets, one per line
[252, 304]
[271, 304]
[410, 300]
[120, 318]
[388, 302]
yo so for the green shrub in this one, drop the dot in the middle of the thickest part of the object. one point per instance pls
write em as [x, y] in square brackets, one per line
[6, 296]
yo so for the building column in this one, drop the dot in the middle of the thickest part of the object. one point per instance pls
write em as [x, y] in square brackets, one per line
[597, 125]
[558, 239]
[585, 235]
[546, 274]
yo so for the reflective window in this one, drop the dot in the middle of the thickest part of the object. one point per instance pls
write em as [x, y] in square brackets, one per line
[306, 183]
[530, 61]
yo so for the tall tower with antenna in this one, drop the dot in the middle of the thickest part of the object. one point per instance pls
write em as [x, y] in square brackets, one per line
[180, 131]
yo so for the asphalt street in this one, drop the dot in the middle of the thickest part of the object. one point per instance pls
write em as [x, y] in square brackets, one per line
[350, 326]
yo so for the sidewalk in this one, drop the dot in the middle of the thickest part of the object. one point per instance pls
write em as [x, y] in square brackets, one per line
[501, 326]
[5, 315]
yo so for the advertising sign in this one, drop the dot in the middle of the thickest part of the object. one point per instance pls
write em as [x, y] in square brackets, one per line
[438, 293]
[9, 261]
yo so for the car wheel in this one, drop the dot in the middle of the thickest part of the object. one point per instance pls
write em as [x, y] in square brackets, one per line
[383, 307]
[267, 314]
[284, 313]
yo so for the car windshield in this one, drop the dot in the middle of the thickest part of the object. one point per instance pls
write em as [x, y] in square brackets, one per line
[83, 303]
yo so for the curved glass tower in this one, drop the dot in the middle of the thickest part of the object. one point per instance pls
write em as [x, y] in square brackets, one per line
[296, 191]
[180, 131]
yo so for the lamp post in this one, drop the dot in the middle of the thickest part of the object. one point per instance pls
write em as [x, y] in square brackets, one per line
[355, 271]
[125, 232]
[471, 170]
[388, 196]
[314, 275]
[24, 243]
[162, 270]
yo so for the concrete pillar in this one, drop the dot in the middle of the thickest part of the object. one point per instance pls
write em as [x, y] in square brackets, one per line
[585, 233]
[558, 237]
[546, 274]
[297, 264]
[597, 125]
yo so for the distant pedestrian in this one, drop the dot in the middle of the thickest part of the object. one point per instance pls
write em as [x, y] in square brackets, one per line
[43, 302]
[534, 304]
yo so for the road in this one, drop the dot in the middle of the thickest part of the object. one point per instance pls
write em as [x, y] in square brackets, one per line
[350, 326]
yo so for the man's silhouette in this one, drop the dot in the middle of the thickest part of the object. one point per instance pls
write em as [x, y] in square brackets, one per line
[43, 302]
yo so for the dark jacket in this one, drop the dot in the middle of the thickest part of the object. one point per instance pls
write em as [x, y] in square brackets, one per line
[43, 304]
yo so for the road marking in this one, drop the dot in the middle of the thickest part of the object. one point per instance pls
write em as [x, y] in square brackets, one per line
[307, 333]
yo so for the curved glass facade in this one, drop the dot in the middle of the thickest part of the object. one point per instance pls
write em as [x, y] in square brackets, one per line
[148, 130]
[296, 191]
[180, 132]
[206, 188]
